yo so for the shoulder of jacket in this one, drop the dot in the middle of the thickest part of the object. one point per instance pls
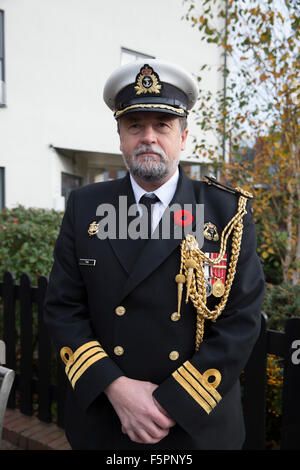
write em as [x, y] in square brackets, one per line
[212, 181]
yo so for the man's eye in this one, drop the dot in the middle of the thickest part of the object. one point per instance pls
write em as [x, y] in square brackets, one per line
[163, 127]
[134, 128]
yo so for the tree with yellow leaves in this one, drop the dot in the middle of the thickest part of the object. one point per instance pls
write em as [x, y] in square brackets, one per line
[257, 109]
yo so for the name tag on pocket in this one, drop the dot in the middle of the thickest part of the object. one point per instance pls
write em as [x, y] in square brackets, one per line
[87, 262]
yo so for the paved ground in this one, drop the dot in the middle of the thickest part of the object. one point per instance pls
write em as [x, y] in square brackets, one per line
[21, 432]
[6, 445]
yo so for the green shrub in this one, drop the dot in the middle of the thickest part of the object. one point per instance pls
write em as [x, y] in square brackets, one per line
[281, 302]
[270, 261]
[274, 388]
[27, 238]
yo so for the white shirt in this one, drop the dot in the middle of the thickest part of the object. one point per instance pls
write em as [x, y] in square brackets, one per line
[165, 193]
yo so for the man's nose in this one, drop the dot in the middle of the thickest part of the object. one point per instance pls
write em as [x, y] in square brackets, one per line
[149, 135]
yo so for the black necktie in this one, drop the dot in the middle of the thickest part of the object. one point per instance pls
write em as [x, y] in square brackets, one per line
[148, 201]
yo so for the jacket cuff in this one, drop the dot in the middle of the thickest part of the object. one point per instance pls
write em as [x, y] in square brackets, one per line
[197, 391]
[89, 370]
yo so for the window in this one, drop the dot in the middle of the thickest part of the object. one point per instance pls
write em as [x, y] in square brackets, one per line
[129, 56]
[197, 171]
[69, 182]
[2, 188]
[193, 171]
[113, 174]
[2, 77]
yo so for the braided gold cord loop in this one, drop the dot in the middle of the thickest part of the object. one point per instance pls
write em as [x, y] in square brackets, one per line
[192, 267]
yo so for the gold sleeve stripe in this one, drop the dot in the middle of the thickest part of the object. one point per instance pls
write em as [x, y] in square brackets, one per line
[84, 348]
[71, 370]
[203, 382]
[190, 379]
[86, 365]
[81, 360]
[192, 392]
[74, 359]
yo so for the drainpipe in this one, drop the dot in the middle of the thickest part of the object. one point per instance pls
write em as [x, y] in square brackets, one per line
[225, 79]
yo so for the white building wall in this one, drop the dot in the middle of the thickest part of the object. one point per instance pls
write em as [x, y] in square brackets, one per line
[58, 55]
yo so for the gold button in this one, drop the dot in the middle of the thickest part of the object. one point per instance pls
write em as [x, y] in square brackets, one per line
[175, 316]
[118, 350]
[174, 355]
[120, 310]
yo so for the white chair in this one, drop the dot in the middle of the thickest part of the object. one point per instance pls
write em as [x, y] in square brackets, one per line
[6, 380]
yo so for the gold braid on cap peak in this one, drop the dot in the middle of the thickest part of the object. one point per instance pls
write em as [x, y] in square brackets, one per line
[150, 106]
[192, 270]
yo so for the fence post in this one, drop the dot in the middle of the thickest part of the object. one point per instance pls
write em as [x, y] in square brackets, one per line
[9, 328]
[26, 364]
[2, 352]
[44, 359]
[254, 396]
[290, 438]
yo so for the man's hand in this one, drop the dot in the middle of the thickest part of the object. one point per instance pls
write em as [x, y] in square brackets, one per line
[141, 416]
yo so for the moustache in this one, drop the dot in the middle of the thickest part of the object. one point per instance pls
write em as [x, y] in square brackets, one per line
[149, 149]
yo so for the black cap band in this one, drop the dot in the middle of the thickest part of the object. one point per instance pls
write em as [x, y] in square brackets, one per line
[170, 99]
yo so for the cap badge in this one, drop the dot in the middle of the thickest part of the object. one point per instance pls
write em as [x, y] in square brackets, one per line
[210, 232]
[147, 81]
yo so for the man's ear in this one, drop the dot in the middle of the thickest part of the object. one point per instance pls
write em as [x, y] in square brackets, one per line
[121, 146]
[184, 135]
[118, 130]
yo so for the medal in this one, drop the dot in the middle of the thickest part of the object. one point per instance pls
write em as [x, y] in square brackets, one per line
[208, 288]
[218, 288]
[217, 275]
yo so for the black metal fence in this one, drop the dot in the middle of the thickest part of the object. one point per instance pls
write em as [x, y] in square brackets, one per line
[40, 380]
[39, 385]
[287, 347]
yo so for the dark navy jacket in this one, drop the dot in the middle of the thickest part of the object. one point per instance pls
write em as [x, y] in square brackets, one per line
[111, 316]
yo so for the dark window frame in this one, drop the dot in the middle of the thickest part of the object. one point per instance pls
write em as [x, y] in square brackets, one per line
[2, 187]
[2, 54]
[65, 173]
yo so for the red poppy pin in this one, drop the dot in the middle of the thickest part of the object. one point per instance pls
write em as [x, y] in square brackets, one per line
[183, 217]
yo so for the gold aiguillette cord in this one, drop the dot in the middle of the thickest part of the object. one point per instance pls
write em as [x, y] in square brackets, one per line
[192, 271]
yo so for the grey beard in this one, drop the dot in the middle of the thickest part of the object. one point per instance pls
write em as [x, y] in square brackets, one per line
[151, 173]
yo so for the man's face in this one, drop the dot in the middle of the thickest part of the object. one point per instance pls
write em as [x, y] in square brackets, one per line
[151, 143]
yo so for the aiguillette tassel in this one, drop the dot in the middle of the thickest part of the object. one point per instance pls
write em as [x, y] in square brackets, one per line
[190, 264]
[180, 279]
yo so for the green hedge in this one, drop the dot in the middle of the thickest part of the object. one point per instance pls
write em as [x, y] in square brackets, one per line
[281, 302]
[27, 238]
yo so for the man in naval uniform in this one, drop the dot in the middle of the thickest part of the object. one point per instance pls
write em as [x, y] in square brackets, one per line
[154, 331]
